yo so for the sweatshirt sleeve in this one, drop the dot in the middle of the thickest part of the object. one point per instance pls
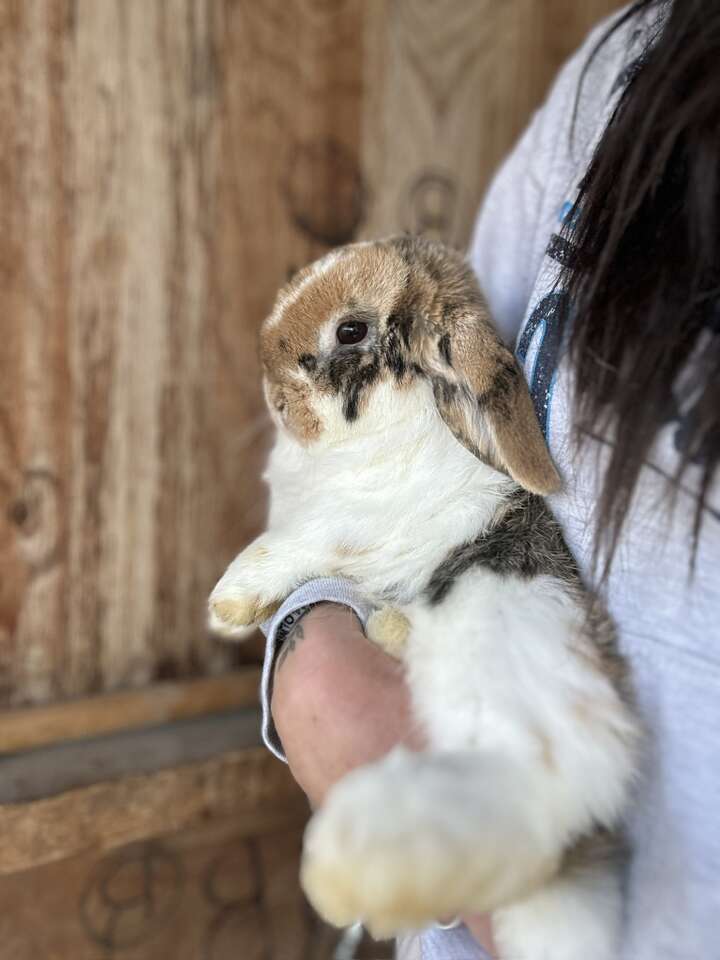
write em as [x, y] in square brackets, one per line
[327, 590]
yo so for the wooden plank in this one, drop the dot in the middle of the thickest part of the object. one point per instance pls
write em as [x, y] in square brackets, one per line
[250, 785]
[29, 728]
[48, 771]
[163, 166]
[449, 87]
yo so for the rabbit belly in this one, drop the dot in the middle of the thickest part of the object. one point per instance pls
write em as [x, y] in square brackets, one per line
[503, 668]
[530, 750]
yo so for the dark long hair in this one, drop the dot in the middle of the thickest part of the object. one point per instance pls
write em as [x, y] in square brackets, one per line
[644, 279]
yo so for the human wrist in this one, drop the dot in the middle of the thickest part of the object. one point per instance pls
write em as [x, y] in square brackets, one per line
[339, 702]
[315, 592]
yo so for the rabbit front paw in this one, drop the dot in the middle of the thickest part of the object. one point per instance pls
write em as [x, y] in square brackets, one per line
[243, 596]
[369, 857]
[397, 846]
[236, 616]
[389, 628]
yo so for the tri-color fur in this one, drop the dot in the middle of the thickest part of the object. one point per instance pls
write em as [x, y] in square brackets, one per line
[515, 679]
[426, 319]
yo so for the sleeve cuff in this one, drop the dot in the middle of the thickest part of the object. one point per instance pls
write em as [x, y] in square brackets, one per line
[327, 590]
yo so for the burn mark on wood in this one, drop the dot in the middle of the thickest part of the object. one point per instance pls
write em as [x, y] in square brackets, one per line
[325, 191]
[151, 878]
[18, 513]
[430, 205]
[38, 516]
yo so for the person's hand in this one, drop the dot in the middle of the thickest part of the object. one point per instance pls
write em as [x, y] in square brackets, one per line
[339, 702]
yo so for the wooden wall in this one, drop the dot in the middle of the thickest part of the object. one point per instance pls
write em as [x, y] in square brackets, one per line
[164, 164]
[199, 861]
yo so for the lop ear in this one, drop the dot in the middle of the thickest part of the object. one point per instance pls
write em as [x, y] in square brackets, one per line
[482, 395]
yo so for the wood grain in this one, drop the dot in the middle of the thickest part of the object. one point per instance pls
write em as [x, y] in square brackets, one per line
[247, 785]
[32, 727]
[217, 892]
[159, 167]
[164, 165]
[449, 88]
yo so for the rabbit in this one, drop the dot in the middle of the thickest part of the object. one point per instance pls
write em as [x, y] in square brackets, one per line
[409, 460]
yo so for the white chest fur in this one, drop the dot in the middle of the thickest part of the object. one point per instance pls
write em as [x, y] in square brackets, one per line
[382, 501]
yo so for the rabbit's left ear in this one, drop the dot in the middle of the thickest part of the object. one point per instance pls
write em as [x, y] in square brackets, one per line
[482, 395]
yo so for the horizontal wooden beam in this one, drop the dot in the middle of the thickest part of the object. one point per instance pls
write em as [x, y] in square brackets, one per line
[57, 768]
[30, 727]
[249, 786]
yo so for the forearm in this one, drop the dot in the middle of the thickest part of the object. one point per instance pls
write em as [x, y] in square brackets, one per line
[338, 702]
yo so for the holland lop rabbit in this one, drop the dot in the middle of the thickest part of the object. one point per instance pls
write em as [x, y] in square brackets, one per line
[409, 460]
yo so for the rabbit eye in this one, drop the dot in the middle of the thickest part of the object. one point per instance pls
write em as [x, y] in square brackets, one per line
[352, 331]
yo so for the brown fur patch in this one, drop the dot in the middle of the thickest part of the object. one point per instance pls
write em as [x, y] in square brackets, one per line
[293, 403]
[431, 321]
[492, 390]
[367, 275]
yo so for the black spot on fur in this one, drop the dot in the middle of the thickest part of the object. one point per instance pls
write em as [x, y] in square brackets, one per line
[444, 348]
[349, 374]
[396, 343]
[598, 846]
[406, 247]
[503, 387]
[402, 321]
[524, 541]
[466, 300]
[445, 392]
[364, 377]
[307, 361]
[393, 356]
[435, 269]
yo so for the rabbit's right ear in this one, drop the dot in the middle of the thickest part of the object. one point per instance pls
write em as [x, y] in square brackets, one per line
[481, 393]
